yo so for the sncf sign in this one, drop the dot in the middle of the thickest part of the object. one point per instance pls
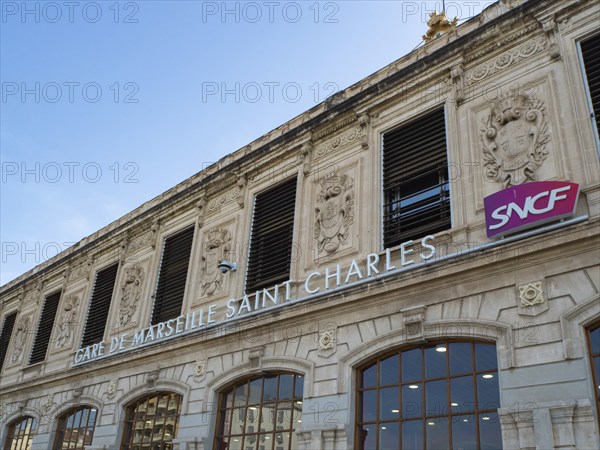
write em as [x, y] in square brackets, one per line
[529, 205]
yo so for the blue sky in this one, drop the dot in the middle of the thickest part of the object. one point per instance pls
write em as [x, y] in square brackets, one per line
[107, 104]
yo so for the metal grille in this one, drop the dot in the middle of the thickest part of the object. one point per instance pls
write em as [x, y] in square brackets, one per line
[415, 180]
[7, 329]
[271, 240]
[172, 276]
[99, 305]
[590, 50]
[44, 331]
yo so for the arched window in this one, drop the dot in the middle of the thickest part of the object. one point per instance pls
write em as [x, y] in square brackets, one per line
[20, 433]
[442, 395]
[261, 413]
[151, 422]
[594, 349]
[76, 428]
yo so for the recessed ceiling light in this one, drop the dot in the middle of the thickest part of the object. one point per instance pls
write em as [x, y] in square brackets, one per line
[383, 428]
[454, 404]
[299, 402]
[440, 348]
[253, 408]
[413, 386]
[485, 418]
[395, 411]
[465, 420]
[430, 423]
[488, 376]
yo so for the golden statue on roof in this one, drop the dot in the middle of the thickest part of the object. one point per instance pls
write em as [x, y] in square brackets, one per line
[438, 24]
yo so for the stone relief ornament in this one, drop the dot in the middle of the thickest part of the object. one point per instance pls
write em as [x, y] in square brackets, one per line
[200, 368]
[531, 294]
[20, 338]
[514, 138]
[111, 390]
[67, 321]
[334, 212]
[216, 248]
[132, 293]
[327, 340]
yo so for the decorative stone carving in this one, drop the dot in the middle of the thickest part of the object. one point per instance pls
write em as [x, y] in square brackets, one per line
[242, 182]
[78, 392]
[215, 249]
[327, 340]
[506, 60]
[514, 139]
[131, 294]
[20, 338]
[339, 142]
[457, 81]
[152, 376]
[531, 299]
[531, 294]
[255, 356]
[305, 157]
[67, 321]
[47, 406]
[334, 212]
[414, 320]
[33, 294]
[200, 368]
[364, 121]
[439, 24]
[111, 390]
[550, 27]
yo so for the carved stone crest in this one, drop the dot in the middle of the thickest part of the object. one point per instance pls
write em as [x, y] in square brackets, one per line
[531, 294]
[67, 321]
[131, 289]
[200, 368]
[20, 338]
[327, 340]
[334, 212]
[514, 138]
[216, 248]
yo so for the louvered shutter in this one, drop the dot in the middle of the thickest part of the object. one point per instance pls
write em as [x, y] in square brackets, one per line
[172, 277]
[271, 238]
[44, 330]
[590, 49]
[102, 293]
[7, 329]
[415, 179]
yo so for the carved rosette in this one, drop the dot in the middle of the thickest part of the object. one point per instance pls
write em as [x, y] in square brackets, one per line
[514, 138]
[131, 293]
[67, 321]
[216, 248]
[334, 212]
[20, 338]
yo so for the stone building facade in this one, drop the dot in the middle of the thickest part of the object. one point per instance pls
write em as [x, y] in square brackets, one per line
[332, 285]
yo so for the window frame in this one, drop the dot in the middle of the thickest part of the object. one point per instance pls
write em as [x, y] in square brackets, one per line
[62, 422]
[46, 342]
[595, 378]
[128, 422]
[382, 194]
[218, 432]
[586, 86]
[10, 435]
[6, 337]
[424, 416]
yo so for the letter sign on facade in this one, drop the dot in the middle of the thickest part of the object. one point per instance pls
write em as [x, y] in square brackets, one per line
[529, 205]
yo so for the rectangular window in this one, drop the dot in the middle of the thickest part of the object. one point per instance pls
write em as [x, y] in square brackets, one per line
[271, 238]
[416, 196]
[172, 276]
[7, 329]
[44, 330]
[590, 51]
[99, 305]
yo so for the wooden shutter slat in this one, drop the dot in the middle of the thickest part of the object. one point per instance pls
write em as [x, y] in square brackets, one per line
[44, 330]
[415, 164]
[271, 237]
[7, 329]
[590, 50]
[99, 305]
[172, 276]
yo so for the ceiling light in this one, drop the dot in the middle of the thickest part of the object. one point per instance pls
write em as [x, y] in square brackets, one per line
[395, 411]
[383, 428]
[440, 348]
[413, 386]
[430, 423]
[488, 376]
[298, 402]
[485, 418]
[454, 404]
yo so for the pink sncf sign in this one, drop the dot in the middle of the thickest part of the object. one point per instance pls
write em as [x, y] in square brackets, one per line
[529, 205]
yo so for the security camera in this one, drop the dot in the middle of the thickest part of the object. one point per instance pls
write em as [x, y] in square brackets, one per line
[226, 266]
